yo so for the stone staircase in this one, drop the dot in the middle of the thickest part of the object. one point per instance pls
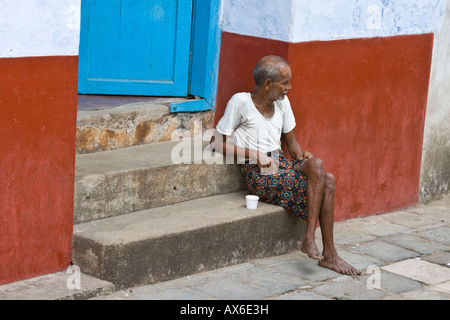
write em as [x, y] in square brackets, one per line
[140, 217]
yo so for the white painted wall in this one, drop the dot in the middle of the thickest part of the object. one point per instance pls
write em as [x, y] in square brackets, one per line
[435, 173]
[259, 18]
[39, 27]
[52, 27]
[346, 19]
[318, 20]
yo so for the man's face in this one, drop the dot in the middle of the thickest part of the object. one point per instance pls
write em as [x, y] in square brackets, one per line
[279, 89]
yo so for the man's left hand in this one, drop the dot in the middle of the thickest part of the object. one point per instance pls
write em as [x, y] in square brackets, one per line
[305, 155]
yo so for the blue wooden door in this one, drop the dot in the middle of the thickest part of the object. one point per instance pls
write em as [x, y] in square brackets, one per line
[135, 47]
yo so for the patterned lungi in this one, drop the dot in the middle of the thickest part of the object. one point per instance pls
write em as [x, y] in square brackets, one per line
[285, 187]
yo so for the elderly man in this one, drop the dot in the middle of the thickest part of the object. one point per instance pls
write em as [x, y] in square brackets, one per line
[251, 131]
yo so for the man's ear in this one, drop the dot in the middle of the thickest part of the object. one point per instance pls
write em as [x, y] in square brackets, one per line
[267, 84]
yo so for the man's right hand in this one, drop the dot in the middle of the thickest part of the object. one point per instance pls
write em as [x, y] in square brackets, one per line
[263, 160]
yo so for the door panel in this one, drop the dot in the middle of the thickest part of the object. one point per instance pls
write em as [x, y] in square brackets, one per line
[135, 47]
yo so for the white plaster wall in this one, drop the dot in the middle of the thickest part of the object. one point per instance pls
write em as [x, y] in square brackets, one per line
[39, 27]
[346, 19]
[258, 18]
[435, 173]
[313, 20]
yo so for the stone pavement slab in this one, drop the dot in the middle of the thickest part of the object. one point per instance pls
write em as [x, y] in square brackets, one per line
[438, 211]
[345, 233]
[277, 282]
[385, 251]
[348, 289]
[360, 261]
[441, 258]
[376, 226]
[415, 243]
[62, 285]
[306, 268]
[412, 220]
[393, 283]
[441, 235]
[302, 295]
[425, 294]
[423, 271]
[229, 289]
[443, 287]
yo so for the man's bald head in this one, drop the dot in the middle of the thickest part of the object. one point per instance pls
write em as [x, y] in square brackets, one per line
[269, 68]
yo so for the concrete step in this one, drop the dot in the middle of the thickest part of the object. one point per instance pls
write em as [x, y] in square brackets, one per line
[113, 122]
[173, 241]
[131, 179]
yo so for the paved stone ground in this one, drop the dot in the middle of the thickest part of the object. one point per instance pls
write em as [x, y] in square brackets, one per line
[403, 255]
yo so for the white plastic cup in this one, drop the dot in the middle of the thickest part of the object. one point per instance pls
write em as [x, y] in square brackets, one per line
[251, 201]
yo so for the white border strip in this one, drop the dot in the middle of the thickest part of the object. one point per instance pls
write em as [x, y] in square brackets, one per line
[39, 28]
[312, 20]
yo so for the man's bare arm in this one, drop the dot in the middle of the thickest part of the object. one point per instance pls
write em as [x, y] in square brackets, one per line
[219, 144]
[294, 148]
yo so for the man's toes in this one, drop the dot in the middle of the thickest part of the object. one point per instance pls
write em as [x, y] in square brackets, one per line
[353, 272]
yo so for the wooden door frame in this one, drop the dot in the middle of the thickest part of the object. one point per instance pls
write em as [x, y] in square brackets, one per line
[205, 51]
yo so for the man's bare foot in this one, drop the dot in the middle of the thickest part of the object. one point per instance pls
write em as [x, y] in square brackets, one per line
[310, 248]
[337, 264]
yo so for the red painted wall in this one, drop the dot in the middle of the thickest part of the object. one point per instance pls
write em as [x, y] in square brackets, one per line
[360, 106]
[38, 105]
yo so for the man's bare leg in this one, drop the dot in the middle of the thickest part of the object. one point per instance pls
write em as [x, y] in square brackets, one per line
[315, 189]
[320, 190]
[331, 258]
